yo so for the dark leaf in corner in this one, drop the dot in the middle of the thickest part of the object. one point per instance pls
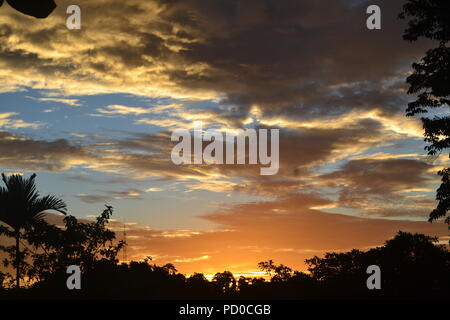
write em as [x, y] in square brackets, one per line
[39, 9]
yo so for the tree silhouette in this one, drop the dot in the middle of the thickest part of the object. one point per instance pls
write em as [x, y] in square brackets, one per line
[2, 279]
[278, 273]
[430, 82]
[412, 265]
[36, 8]
[225, 282]
[76, 243]
[21, 206]
[407, 256]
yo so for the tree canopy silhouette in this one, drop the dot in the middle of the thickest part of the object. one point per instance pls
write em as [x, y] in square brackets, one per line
[21, 207]
[52, 248]
[75, 243]
[36, 8]
[430, 82]
[225, 282]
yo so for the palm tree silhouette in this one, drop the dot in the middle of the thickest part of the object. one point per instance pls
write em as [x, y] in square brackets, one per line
[36, 8]
[20, 206]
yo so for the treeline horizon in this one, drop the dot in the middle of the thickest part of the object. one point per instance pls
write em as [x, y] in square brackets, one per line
[412, 265]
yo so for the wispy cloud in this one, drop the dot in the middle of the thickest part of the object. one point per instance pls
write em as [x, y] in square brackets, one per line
[123, 110]
[183, 260]
[153, 189]
[70, 102]
[7, 122]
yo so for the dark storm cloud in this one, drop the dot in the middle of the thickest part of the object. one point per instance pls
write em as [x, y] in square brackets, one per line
[300, 58]
[39, 155]
[382, 176]
[107, 196]
[93, 198]
[292, 54]
[139, 156]
[384, 187]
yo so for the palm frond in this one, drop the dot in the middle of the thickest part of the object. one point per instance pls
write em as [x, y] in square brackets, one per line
[20, 203]
[47, 203]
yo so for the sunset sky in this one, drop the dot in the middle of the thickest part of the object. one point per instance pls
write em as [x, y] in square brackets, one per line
[91, 111]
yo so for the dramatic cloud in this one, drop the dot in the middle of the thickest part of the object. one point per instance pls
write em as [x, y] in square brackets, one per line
[352, 170]
[304, 58]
